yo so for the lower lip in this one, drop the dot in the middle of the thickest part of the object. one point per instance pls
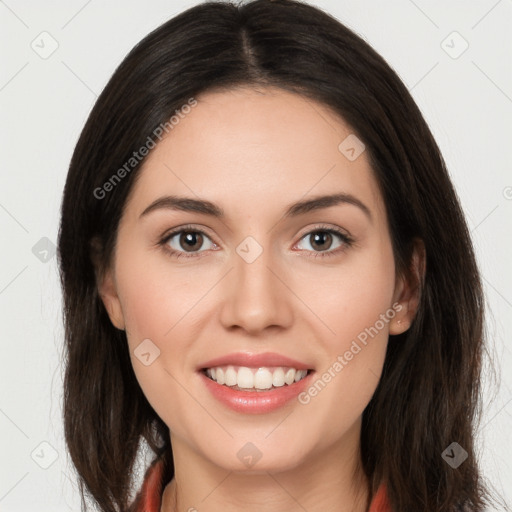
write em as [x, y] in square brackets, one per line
[256, 402]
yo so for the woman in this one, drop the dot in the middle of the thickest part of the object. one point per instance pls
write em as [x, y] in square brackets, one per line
[268, 278]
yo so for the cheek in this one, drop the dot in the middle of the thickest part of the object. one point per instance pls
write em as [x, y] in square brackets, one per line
[353, 298]
[357, 307]
[155, 306]
[154, 298]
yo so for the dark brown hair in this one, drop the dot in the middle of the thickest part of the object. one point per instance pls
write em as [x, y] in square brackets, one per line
[429, 393]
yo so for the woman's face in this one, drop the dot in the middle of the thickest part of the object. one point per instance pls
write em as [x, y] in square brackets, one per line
[264, 279]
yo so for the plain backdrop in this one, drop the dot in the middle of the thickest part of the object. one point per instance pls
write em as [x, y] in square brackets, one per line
[56, 56]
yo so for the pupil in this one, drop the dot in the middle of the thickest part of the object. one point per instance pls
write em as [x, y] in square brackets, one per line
[321, 237]
[191, 240]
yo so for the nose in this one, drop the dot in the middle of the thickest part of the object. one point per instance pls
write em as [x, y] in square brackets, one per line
[257, 295]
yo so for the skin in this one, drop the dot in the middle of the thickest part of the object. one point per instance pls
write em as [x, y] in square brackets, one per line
[254, 152]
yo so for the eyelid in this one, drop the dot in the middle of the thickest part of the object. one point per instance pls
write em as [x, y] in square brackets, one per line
[324, 227]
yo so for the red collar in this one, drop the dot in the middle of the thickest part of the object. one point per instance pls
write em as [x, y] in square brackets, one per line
[149, 498]
[380, 502]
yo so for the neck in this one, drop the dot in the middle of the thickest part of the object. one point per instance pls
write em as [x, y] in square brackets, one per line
[327, 481]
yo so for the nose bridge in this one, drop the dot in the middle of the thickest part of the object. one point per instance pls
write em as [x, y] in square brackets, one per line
[257, 298]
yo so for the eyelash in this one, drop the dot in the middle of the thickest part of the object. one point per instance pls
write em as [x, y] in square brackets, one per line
[347, 241]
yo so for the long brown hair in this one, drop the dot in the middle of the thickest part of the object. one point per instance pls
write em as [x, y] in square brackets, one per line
[429, 393]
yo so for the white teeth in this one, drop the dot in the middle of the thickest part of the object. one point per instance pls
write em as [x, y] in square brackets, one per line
[245, 378]
[289, 376]
[299, 375]
[230, 376]
[263, 379]
[252, 378]
[278, 378]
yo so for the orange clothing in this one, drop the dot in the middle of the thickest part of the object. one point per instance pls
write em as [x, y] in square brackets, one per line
[149, 498]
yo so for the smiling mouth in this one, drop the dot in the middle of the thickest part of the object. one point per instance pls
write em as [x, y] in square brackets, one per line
[243, 378]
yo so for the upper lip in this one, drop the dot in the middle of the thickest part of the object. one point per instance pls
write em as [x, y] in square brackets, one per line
[250, 360]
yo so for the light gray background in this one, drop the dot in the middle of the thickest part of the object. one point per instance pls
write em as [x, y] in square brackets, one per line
[44, 103]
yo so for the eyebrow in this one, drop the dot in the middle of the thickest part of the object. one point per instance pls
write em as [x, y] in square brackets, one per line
[188, 204]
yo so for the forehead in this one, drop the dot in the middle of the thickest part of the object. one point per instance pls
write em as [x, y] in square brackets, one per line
[247, 148]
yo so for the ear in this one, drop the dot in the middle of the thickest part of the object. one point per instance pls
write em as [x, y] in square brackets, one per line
[408, 290]
[108, 293]
[107, 288]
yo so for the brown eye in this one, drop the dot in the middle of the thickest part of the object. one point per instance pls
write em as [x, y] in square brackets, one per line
[190, 240]
[186, 241]
[321, 240]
